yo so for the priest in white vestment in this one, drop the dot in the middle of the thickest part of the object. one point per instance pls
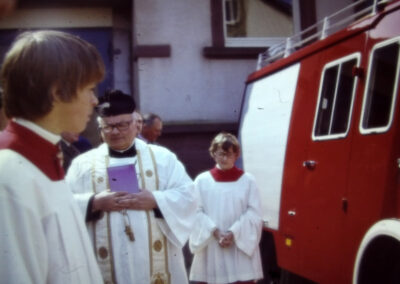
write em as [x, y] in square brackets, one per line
[137, 237]
[228, 225]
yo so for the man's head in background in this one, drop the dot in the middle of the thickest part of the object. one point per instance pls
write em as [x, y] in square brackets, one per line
[152, 127]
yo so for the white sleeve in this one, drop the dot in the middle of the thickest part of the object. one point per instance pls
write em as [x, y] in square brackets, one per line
[247, 229]
[202, 233]
[80, 183]
[175, 198]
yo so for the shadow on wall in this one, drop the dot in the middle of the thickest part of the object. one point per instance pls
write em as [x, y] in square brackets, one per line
[191, 147]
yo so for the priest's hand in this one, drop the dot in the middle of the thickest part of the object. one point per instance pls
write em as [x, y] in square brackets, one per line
[144, 200]
[108, 201]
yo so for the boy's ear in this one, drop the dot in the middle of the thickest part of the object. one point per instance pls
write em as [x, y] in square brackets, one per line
[55, 93]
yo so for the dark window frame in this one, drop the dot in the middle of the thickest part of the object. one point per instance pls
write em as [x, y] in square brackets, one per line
[218, 50]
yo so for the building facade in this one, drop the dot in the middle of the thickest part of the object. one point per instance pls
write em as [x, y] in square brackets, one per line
[186, 60]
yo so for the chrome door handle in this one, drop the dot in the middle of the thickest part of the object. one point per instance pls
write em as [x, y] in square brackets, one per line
[310, 164]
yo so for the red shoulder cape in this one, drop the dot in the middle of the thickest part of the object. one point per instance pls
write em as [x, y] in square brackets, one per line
[232, 174]
[39, 151]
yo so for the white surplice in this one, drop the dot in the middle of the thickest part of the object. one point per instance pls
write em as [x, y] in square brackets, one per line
[43, 238]
[175, 199]
[228, 206]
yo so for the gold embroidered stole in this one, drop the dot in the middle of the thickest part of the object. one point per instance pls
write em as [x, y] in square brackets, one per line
[102, 228]
[158, 253]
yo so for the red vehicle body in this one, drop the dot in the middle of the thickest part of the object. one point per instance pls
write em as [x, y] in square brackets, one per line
[339, 172]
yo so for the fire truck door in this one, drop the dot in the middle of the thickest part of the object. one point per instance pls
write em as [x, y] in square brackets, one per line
[320, 207]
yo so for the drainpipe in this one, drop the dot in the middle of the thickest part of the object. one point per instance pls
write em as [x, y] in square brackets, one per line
[134, 62]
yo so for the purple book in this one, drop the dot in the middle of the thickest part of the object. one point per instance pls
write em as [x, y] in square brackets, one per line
[123, 178]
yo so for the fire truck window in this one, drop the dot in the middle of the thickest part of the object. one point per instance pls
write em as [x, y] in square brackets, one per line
[335, 99]
[381, 87]
[343, 98]
[326, 101]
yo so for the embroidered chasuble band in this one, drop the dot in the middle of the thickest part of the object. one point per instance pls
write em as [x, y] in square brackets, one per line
[157, 241]
[102, 229]
[159, 272]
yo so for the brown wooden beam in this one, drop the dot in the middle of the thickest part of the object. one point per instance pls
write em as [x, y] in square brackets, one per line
[152, 51]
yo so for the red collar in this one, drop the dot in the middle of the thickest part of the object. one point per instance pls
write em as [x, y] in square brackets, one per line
[39, 151]
[232, 174]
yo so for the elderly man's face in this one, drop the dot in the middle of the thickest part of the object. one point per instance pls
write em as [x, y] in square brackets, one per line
[118, 131]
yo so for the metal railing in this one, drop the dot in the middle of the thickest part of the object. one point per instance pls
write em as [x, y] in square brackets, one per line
[320, 30]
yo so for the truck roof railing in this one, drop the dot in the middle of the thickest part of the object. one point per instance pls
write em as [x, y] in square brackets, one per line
[320, 30]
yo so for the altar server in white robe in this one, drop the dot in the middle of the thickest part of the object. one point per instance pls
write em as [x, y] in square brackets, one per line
[49, 79]
[228, 225]
[137, 237]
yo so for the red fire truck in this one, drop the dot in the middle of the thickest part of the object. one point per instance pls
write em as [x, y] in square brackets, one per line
[320, 131]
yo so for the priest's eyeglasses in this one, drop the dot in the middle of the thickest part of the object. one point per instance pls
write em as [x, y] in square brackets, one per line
[122, 126]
